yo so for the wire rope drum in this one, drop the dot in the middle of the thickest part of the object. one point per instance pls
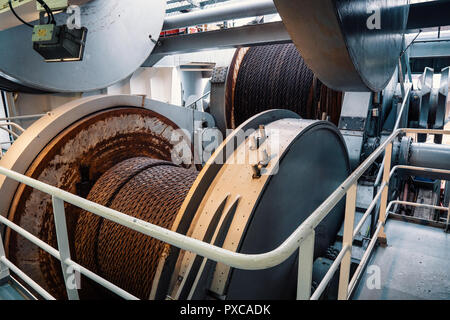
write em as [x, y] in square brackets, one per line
[121, 156]
[225, 204]
[269, 77]
[247, 207]
[350, 45]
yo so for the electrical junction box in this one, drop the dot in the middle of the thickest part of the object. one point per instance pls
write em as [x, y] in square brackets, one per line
[59, 43]
[45, 34]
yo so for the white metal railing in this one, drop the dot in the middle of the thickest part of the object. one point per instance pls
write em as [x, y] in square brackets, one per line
[26, 117]
[194, 105]
[4, 127]
[7, 125]
[301, 239]
[14, 125]
[400, 116]
[428, 206]
[381, 224]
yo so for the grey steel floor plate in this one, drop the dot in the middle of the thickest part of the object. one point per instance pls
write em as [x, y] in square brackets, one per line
[414, 266]
[7, 292]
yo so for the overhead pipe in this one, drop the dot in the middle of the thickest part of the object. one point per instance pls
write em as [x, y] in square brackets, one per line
[430, 155]
[233, 10]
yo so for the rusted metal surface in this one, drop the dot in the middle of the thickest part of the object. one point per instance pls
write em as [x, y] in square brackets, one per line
[329, 103]
[74, 161]
[144, 188]
[276, 77]
[233, 74]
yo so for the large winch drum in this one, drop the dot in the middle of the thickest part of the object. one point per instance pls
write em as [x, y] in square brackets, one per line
[121, 35]
[262, 182]
[269, 77]
[351, 45]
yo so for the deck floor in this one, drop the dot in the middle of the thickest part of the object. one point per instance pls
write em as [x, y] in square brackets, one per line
[414, 266]
[7, 292]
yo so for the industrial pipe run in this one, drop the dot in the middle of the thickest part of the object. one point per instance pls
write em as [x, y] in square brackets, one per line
[231, 10]
[436, 156]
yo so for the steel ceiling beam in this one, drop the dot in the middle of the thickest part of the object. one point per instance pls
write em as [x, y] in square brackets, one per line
[190, 6]
[430, 49]
[250, 35]
[428, 15]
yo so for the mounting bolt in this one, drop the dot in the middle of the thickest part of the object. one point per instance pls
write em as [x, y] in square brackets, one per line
[264, 161]
[264, 158]
[253, 143]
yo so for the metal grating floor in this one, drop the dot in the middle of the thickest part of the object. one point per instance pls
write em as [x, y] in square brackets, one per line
[414, 266]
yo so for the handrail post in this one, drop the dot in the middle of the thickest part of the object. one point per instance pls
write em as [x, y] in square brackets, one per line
[448, 219]
[349, 224]
[64, 248]
[305, 267]
[4, 270]
[384, 196]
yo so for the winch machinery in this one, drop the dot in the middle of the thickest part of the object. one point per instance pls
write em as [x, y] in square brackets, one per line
[137, 156]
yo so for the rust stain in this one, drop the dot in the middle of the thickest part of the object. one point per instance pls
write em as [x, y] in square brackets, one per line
[93, 145]
[148, 189]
